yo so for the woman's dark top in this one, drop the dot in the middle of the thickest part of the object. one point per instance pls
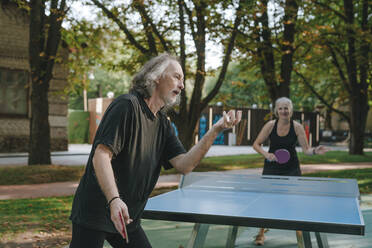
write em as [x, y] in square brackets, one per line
[292, 167]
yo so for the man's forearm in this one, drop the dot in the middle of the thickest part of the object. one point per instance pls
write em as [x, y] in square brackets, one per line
[192, 158]
[185, 163]
[105, 175]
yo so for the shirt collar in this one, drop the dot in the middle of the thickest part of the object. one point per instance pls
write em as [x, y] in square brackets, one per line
[145, 108]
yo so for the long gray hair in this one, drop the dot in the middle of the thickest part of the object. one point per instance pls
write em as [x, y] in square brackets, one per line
[144, 81]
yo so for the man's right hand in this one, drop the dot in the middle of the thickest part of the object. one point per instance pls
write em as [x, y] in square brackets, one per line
[118, 208]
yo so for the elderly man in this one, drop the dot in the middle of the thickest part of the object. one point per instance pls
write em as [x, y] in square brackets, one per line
[133, 141]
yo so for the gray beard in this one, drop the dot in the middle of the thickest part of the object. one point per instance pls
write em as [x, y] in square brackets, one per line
[169, 104]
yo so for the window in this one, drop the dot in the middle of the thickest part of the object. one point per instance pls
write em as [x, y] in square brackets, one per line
[13, 92]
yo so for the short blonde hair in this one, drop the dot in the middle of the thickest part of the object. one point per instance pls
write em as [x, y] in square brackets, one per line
[283, 100]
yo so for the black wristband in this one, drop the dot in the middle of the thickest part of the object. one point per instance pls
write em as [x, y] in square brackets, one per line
[113, 198]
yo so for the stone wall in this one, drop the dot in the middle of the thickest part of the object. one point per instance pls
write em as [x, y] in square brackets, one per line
[14, 130]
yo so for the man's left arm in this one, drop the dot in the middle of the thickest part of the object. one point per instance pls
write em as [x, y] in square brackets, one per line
[186, 162]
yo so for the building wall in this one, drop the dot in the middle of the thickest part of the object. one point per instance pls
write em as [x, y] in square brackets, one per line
[14, 129]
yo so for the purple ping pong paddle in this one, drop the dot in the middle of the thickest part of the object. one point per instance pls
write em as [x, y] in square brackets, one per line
[282, 155]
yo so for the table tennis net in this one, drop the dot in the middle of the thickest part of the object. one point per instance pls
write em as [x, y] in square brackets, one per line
[270, 184]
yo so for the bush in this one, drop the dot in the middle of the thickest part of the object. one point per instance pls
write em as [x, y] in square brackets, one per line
[78, 127]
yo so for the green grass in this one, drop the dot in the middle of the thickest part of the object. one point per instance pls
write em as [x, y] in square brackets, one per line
[40, 214]
[35, 174]
[223, 163]
[34, 215]
[255, 161]
[363, 176]
[335, 157]
[17, 175]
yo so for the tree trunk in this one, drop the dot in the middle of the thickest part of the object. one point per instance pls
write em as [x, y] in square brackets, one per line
[290, 18]
[265, 50]
[39, 152]
[266, 54]
[186, 132]
[42, 52]
[328, 119]
[187, 121]
[359, 93]
[359, 113]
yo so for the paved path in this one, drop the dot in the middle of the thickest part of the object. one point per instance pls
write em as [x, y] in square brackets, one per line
[68, 188]
[77, 154]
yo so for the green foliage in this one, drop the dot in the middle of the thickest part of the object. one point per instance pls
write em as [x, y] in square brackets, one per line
[85, 42]
[78, 127]
[325, 49]
[102, 82]
[241, 88]
[105, 81]
[96, 51]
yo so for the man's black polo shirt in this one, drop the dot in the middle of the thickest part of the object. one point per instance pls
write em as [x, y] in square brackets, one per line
[141, 143]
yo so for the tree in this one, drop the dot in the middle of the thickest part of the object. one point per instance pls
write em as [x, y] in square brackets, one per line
[45, 36]
[86, 46]
[343, 36]
[270, 41]
[242, 87]
[194, 21]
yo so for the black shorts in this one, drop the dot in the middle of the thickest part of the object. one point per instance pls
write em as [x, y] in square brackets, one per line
[83, 237]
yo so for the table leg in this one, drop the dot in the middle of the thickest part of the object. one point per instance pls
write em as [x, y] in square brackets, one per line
[231, 237]
[198, 235]
[321, 239]
[303, 239]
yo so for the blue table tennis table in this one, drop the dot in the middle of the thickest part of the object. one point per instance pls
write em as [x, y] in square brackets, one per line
[309, 204]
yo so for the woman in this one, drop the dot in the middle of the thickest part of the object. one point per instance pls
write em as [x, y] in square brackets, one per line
[283, 133]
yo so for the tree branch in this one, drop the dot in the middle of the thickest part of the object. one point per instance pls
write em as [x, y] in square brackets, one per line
[141, 8]
[122, 26]
[306, 82]
[183, 104]
[189, 15]
[226, 59]
[339, 69]
[57, 15]
[147, 29]
[327, 7]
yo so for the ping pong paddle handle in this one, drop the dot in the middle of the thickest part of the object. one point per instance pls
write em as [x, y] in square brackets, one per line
[124, 231]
